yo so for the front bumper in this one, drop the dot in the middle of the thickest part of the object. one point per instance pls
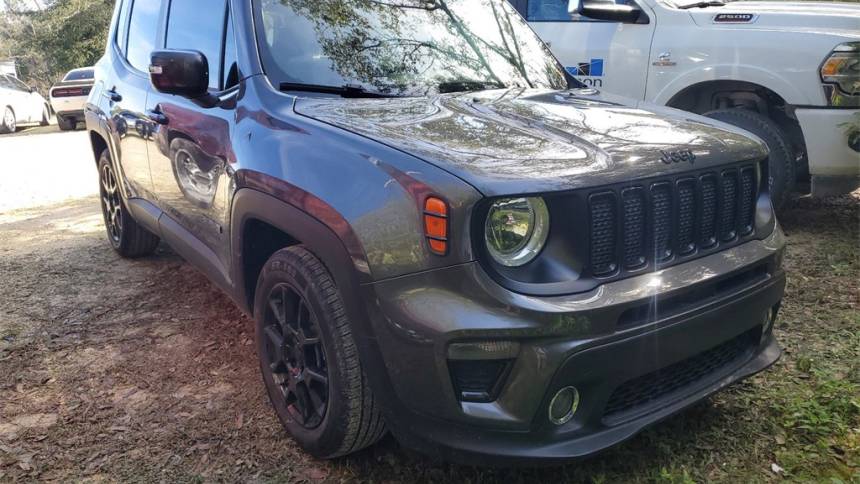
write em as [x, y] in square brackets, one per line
[834, 157]
[592, 341]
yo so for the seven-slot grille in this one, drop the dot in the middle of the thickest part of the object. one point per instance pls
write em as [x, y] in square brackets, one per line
[661, 220]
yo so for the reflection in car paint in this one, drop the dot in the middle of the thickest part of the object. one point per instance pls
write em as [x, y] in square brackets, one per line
[196, 172]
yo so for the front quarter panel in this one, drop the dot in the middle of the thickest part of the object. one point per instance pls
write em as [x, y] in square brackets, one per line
[366, 192]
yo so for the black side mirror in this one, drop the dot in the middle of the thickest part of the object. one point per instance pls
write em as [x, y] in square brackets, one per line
[603, 10]
[181, 72]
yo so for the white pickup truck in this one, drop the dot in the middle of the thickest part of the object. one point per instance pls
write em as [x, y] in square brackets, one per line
[788, 72]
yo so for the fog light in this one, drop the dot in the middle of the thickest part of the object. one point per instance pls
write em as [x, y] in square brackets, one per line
[483, 350]
[563, 405]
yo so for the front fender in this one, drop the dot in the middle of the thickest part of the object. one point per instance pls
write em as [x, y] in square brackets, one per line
[725, 72]
[336, 246]
[367, 193]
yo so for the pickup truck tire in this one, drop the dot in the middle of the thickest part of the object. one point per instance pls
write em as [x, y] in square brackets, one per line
[309, 360]
[782, 162]
[126, 236]
[8, 123]
[66, 124]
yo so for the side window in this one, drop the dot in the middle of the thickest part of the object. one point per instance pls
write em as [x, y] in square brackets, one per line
[551, 10]
[17, 84]
[122, 26]
[230, 68]
[4, 83]
[189, 27]
[142, 32]
[561, 10]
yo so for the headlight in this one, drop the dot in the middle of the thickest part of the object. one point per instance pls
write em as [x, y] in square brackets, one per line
[516, 230]
[843, 68]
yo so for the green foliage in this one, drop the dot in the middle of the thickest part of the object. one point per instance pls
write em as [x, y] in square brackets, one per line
[48, 42]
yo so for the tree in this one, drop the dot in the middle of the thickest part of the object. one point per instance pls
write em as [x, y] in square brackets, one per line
[48, 38]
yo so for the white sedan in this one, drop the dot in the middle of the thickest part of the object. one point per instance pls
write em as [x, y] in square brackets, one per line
[20, 105]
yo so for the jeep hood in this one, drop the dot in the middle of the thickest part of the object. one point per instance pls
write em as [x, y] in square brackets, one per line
[506, 142]
[825, 18]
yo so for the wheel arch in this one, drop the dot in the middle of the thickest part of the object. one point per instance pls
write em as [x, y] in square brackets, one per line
[98, 144]
[706, 95]
[173, 134]
[262, 224]
[662, 92]
[711, 95]
[327, 237]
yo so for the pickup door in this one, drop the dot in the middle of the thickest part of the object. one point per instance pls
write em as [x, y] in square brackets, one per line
[614, 56]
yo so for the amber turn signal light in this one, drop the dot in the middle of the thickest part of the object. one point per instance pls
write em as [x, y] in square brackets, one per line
[436, 225]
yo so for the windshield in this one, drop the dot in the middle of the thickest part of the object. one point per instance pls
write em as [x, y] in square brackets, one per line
[403, 47]
[83, 75]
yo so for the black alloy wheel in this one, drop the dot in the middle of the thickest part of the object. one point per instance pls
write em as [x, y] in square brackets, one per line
[111, 204]
[308, 357]
[295, 354]
[126, 236]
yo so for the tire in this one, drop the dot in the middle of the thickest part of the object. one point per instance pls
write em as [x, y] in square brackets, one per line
[8, 123]
[46, 116]
[782, 163]
[297, 305]
[125, 235]
[66, 124]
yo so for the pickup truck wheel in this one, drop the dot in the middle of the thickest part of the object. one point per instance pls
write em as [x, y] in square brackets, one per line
[66, 124]
[309, 360]
[126, 236]
[8, 124]
[782, 162]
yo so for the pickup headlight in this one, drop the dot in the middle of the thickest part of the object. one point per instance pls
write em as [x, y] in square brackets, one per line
[842, 68]
[516, 230]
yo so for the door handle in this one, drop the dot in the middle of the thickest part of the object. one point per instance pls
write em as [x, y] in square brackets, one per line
[157, 116]
[112, 95]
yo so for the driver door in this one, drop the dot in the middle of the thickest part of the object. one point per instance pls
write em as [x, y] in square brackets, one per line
[190, 151]
[608, 55]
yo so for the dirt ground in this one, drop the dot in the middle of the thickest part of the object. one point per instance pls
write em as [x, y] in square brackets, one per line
[141, 371]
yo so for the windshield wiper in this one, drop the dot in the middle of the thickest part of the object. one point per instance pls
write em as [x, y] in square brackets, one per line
[461, 86]
[708, 3]
[347, 90]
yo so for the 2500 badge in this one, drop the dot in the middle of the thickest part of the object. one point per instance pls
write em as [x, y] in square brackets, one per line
[679, 156]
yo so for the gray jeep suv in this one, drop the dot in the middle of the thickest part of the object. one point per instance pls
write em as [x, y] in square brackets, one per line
[438, 232]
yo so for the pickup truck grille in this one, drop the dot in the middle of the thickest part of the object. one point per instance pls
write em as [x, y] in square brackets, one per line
[659, 221]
